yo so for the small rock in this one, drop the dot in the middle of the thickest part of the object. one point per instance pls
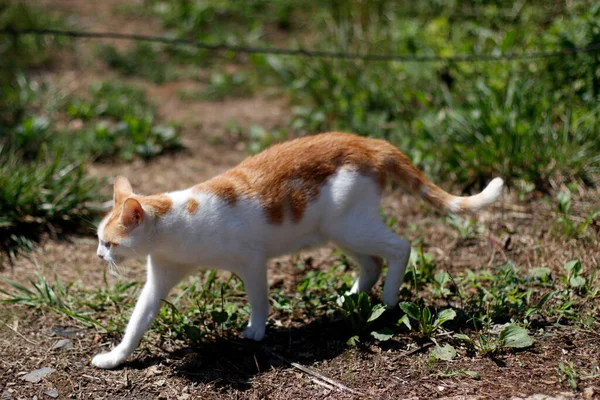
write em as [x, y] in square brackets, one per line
[64, 344]
[38, 374]
[152, 370]
[66, 332]
[588, 392]
[52, 393]
[160, 382]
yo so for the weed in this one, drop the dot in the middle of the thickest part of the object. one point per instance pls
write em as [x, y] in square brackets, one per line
[511, 336]
[427, 323]
[570, 373]
[54, 297]
[361, 315]
[123, 124]
[420, 270]
[565, 221]
[466, 227]
[144, 60]
[52, 194]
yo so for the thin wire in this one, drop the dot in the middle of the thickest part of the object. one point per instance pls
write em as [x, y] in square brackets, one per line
[302, 52]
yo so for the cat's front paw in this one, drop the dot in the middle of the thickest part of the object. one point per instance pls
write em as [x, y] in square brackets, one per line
[254, 333]
[109, 360]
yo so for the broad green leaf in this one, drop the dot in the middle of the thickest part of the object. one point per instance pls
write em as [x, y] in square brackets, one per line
[577, 281]
[427, 316]
[473, 374]
[406, 321]
[383, 334]
[353, 341]
[445, 352]
[445, 316]
[462, 336]
[573, 267]
[219, 316]
[516, 337]
[542, 273]
[411, 309]
[377, 311]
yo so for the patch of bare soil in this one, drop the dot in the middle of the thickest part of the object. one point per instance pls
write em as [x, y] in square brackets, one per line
[234, 368]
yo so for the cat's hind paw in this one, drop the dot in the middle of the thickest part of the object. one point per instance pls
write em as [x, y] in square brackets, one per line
[254, 333]
[109, 360]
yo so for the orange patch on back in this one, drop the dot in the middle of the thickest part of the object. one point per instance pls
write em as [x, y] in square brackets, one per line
[222, 186]
[286, 177]
[192, 206]
[159, 204]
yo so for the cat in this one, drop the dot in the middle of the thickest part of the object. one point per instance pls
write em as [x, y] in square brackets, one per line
[295, 195]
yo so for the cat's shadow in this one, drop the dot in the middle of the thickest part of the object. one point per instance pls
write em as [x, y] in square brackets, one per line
[233, 362]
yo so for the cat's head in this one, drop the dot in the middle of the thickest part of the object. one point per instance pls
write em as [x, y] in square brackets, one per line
[126, 230]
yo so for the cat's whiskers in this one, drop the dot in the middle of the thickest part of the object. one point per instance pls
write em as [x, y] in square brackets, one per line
[114, 267]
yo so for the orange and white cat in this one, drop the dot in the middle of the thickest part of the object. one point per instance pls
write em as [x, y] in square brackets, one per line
[295, 195]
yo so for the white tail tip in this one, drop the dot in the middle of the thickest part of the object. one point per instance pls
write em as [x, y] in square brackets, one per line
[473, 203]
[492, 191]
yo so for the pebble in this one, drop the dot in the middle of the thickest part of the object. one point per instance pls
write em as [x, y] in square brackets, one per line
[64, 344]
[52, 393]
[38, 374]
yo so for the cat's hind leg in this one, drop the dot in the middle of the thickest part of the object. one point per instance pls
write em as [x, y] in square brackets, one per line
[365, 233]
[369, 270]
[161, 279]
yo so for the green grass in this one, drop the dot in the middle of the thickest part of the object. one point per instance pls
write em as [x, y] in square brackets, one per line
[118, 122]
[212, 305]
[44, 186]
[143, 60]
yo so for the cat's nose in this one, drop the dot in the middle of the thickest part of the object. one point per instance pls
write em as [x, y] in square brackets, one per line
[101, 256]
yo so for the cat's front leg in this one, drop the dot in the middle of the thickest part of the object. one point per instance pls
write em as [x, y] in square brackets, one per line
[161, 279]
[255, 283]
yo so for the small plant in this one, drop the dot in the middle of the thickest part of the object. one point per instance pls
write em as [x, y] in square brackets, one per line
[144, 60]
[427, 323]
[420, 270]
[124, 124]
[467, 227]
[361, 315]
[511, 336]
[222, 85]
[570, 373]
[574, 278]
[440, 283]
[565, 220]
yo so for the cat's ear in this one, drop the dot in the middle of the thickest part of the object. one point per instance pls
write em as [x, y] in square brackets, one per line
[133, 214]
[122, 190]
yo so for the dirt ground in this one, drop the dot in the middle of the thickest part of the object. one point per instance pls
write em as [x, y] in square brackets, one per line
[234, 368]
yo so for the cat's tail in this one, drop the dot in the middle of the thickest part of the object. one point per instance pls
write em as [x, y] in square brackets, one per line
[405, 173]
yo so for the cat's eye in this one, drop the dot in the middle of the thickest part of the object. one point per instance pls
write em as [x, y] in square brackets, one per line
[107, 244]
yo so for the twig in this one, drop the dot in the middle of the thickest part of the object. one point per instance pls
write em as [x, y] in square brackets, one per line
[20, 334]
[413, 351]
[317, 374]
[325, 385]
